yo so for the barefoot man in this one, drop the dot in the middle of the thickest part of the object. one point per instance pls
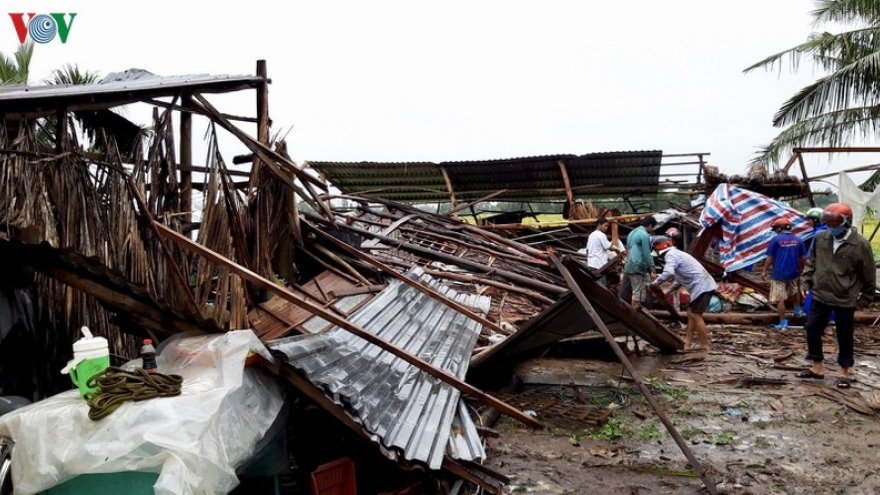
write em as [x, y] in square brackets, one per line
[690, 274]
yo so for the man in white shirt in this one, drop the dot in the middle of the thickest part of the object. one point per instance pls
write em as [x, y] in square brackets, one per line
[598, 246]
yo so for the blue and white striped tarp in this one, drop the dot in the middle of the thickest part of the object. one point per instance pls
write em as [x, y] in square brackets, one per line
[745, 218]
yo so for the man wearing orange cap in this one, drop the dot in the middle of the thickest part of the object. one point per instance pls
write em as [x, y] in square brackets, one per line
[840, 271]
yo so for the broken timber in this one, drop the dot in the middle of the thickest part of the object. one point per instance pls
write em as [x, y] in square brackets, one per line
[333, 318]
[646, 392]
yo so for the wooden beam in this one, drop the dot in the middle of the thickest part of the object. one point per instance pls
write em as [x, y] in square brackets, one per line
[450, 189]
[412, 283]
[568, 194]
[335, 319]
[790, 162]
[852, 149]
[185, 161]
[637, 376]
[122, 302]
[353, 291]
[804, 175]
[262, 121]
[60, 129]
[446, 258]
[476, 201]
[276, 162]
[189, 110]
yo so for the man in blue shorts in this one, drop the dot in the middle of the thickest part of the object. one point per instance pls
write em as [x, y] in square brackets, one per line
[786, 254]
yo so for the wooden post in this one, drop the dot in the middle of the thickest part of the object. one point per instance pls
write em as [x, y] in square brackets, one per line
[569, 195]
[454, 205]
[262, 119]
[615, 235]
[186, 159]
[637, 377]
[60, 130]
[804, 174]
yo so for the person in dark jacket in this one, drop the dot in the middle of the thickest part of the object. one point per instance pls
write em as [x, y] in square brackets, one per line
[840, 271]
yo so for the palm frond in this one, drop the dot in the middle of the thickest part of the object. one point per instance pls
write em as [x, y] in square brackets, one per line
[828, 50]
[16, 69]
[856, 84]
[71, 74]
[831, 129]
[847, 11]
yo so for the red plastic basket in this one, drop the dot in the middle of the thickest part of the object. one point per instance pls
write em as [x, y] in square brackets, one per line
[334, 478]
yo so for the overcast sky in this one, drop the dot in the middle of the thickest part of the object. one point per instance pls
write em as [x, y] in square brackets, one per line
[462, 80]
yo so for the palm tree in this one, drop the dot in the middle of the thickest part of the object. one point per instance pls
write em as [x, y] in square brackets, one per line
[845, 103]
[15, 69]
[94, 122]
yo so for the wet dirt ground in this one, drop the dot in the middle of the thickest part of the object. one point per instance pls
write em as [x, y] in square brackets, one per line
[755, 427]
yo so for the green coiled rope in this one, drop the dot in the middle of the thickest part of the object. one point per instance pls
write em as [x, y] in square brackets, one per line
[117, 386]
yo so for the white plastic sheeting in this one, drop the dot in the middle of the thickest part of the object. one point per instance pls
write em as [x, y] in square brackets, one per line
[857, 199]
[194, 441]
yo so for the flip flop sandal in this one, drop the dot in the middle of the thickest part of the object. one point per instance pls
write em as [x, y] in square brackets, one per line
[843, 383]
[808, 374]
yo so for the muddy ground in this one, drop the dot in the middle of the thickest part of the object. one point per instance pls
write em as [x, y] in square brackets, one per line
[755, 427]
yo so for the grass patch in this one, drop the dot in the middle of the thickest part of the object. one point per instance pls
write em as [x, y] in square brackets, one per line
[723, 438]
[690, 433]
[763, 443]
[613, 429]
[650, 432]
[666, 390]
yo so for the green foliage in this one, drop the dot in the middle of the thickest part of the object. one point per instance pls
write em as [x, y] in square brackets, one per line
[843, 103]
[650, 432]
[16, 69]
[71, 74]
[613, 429]
[666, 390]
[723, 438]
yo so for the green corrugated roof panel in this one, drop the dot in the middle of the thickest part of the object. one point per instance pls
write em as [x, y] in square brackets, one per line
[528, 178]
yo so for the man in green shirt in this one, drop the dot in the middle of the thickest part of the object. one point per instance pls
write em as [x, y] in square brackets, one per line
[639, 263]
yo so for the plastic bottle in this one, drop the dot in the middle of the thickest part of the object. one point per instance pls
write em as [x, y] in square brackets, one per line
[148, 356]
[91, 355]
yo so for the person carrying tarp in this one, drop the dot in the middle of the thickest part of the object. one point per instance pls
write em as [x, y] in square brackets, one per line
[786, 254]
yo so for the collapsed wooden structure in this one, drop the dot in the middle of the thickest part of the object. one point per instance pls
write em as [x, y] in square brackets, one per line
[120, 244]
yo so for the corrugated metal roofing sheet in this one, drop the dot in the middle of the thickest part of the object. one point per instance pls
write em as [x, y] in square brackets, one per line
[527, 178]
[408, 410]
[127, 84]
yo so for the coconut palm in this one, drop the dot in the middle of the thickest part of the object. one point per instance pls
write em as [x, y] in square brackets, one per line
[845, 103]
[15, 69]
[93, 122]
